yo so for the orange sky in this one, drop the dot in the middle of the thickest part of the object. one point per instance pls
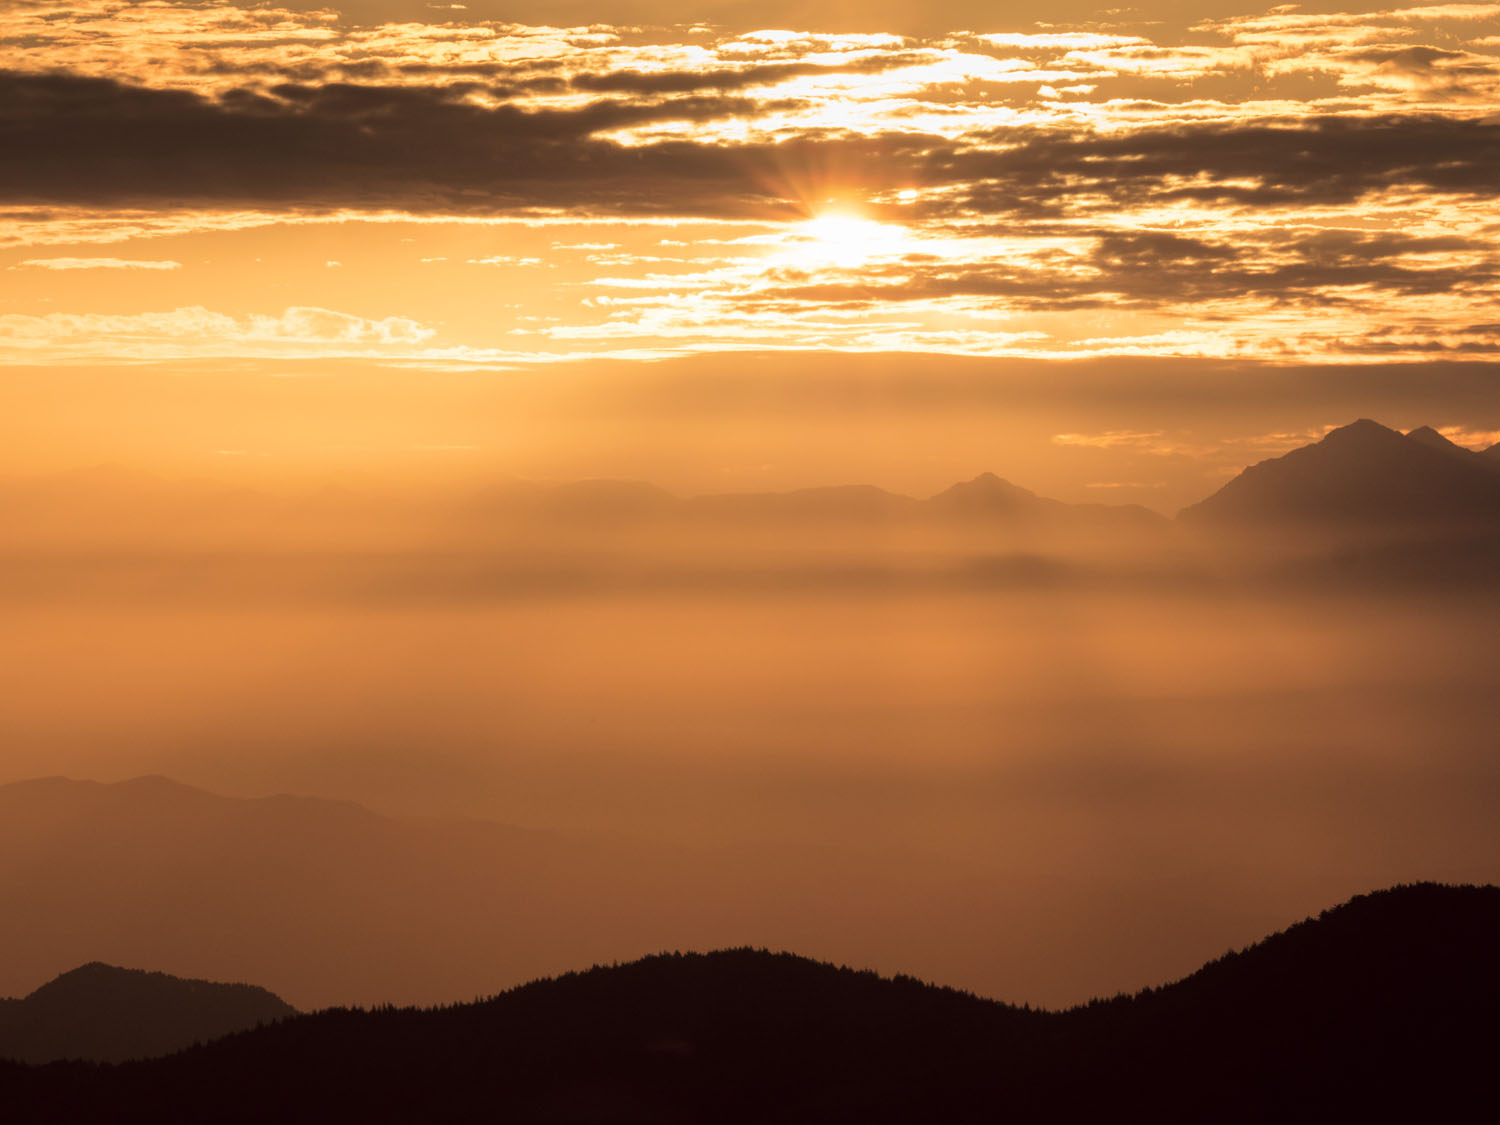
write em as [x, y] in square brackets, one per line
[410, 191]
[208, 181]
[301, 308]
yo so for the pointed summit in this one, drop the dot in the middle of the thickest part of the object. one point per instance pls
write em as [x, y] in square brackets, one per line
[1363, 433]
[988, 494]
[1428, 436]
[1362, 473]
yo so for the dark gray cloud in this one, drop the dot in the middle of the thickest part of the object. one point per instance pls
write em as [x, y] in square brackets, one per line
[1143, 269]
[93, 141]
[1322, 161]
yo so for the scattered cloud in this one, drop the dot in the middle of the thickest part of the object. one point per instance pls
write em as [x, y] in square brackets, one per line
[1152, 441]
[1304, 184]
[1470, 439]
[96, 264]
[194, 331]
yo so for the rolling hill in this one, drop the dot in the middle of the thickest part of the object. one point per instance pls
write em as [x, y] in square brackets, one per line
[109, 1014]
[1384, 1008]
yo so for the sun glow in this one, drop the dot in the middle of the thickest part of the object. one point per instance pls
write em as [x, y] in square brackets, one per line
[837, 240]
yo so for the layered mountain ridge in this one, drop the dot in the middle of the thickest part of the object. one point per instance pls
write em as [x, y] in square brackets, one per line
[1362, 470]
[1365, 502]
[1384, 1006]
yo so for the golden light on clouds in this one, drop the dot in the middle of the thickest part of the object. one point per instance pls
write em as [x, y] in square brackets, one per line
[731, 424]
[839, 240]
[1300, 184]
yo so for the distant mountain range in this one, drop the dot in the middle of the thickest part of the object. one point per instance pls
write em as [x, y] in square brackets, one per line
[327, 902]
[109, 1014]
[987, 499]
[1386, 1008]
[1362, 473]
[1359, 472]
[1364, 502]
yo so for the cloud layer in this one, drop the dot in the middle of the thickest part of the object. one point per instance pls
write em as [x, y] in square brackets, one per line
[1306, 183]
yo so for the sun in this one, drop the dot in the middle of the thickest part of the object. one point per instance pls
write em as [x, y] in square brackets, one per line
[840, 240]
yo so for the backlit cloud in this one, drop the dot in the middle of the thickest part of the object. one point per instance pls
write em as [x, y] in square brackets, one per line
[1311, 183]
[195, 331]
[97, 264]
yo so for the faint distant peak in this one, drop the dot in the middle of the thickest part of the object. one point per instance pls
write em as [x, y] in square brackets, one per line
[988, 489]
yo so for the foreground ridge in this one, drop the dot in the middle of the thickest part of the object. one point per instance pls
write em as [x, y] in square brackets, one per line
[1384, 1006]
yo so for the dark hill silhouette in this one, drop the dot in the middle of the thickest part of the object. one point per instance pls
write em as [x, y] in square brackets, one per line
[1360, 474]
[1385, 1008]
[108, 1014]
[327, 902]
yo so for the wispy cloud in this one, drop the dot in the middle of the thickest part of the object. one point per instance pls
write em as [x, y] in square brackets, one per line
[1470, 439]
[197, 331]
[96, 264]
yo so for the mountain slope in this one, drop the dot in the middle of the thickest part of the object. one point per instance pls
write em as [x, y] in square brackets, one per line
[988, 496]
[1384, 1007]
[1359, 474]
[1426, 435]
[109, 1014]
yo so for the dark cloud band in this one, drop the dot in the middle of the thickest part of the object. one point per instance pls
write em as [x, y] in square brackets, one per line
[93, 141]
